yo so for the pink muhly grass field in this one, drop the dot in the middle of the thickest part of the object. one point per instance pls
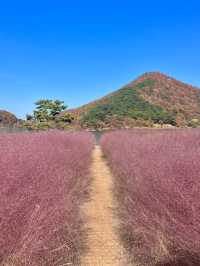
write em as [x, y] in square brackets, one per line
[158, 187]
[44, 178]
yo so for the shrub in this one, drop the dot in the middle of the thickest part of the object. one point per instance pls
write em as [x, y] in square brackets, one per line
[158, 187]
[194, 123]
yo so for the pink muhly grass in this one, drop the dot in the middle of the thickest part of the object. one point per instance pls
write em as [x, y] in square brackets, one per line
[158, 186]
[44, 178]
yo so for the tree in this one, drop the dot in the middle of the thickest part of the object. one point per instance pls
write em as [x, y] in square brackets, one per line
[29, 117]
[65, 118]
[47, 110]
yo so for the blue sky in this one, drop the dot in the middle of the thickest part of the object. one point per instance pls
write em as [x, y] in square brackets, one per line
[80, 50]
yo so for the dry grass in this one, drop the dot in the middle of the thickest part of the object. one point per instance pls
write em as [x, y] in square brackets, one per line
[44, 179]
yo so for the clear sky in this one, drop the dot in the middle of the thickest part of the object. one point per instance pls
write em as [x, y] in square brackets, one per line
[79, 50]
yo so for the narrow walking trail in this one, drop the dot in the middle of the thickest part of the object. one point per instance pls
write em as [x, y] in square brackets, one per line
[103, 244]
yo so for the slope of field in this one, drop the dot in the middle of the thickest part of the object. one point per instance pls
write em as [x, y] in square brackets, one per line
[158, 187]
[44, 178]
[152, 98]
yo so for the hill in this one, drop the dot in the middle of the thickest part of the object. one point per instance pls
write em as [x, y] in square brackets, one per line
[7, 118]
[153, 98]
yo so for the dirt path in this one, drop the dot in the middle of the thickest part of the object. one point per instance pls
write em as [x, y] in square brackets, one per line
[103, 244]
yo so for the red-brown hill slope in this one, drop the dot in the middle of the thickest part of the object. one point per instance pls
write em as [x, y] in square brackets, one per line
[153, 96]
[7, 118]
[171, 94]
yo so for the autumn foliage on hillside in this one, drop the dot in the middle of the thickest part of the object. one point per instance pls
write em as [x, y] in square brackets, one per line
[158, 189]
[44, 178]
[7, 118]
[152, 98]
[173, 95]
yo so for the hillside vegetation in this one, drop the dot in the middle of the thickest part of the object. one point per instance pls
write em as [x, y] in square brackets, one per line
[153, 98]
[7, 118]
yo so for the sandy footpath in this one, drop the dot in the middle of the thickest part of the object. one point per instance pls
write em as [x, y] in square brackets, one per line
[103, 244]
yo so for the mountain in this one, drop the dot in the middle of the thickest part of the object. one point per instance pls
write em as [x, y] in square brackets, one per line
[7, 118]
[153, 98]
